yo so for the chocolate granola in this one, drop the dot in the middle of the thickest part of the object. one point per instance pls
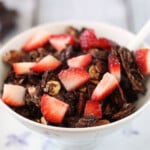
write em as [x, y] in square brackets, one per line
[66, 91]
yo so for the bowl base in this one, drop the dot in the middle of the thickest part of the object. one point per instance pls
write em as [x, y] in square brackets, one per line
[92, 145]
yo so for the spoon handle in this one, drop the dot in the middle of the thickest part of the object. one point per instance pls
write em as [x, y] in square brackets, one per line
[137, 41]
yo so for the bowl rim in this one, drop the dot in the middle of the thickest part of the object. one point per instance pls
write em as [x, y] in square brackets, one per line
[65, 129]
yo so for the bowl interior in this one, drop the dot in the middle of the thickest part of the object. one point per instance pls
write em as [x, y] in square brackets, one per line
[118, 35]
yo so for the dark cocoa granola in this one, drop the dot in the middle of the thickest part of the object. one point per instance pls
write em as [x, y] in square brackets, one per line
[118, 104]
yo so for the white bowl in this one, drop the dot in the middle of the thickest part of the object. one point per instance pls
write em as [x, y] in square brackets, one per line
[74, 138]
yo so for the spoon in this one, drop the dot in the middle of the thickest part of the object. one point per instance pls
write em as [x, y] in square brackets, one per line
[138, 40]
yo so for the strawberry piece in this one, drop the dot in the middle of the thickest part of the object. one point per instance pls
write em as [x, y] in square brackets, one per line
[88, 39]
[104, 43]
[104, 87]
[59, 42]
[114, 66]
[53, 109]
[73, 78]
[39, 39]
[23, 67]
[93, 108]
[47, 63]
[81, 61]
[142, 58]
[13, 95]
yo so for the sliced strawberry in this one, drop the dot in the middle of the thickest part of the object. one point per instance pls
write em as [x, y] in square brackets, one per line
[47, 63]
[60, 41]
[104, 87]
[88, 39]
[73, 78]
[81, 61]
[13, 95]
[23, 67]
[142, 57]
[37, 40]
[93, 108]
[104, 43]
[114, 65]
[53, 109]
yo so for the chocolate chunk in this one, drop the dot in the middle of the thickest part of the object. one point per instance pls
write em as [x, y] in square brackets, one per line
[29, 111]
[68, 53]
[73, 32]
[81, 103]
[15, 79]
[118, 98]
[126, 110]
[38, 54]
[129, 93]
[72, 99]
[101, 122]
[86, 122]
[71, 121]
[113, 103]
[34, 79]
[132, 70]
[44, 78]
[99, 54]
[90, 89]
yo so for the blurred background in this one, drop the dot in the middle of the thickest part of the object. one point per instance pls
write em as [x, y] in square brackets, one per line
[19, 15]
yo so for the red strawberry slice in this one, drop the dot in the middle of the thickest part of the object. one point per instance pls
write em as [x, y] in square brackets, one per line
[23, 67]
[73, 78]
[104, 43]
[114, 66]
[93, 108]
[104, 87]
[88, 39]
[142, 57]
[47, 63]
[53, 109]
[37, 40]
[81, 61]
[13, 95]
[60, 41]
